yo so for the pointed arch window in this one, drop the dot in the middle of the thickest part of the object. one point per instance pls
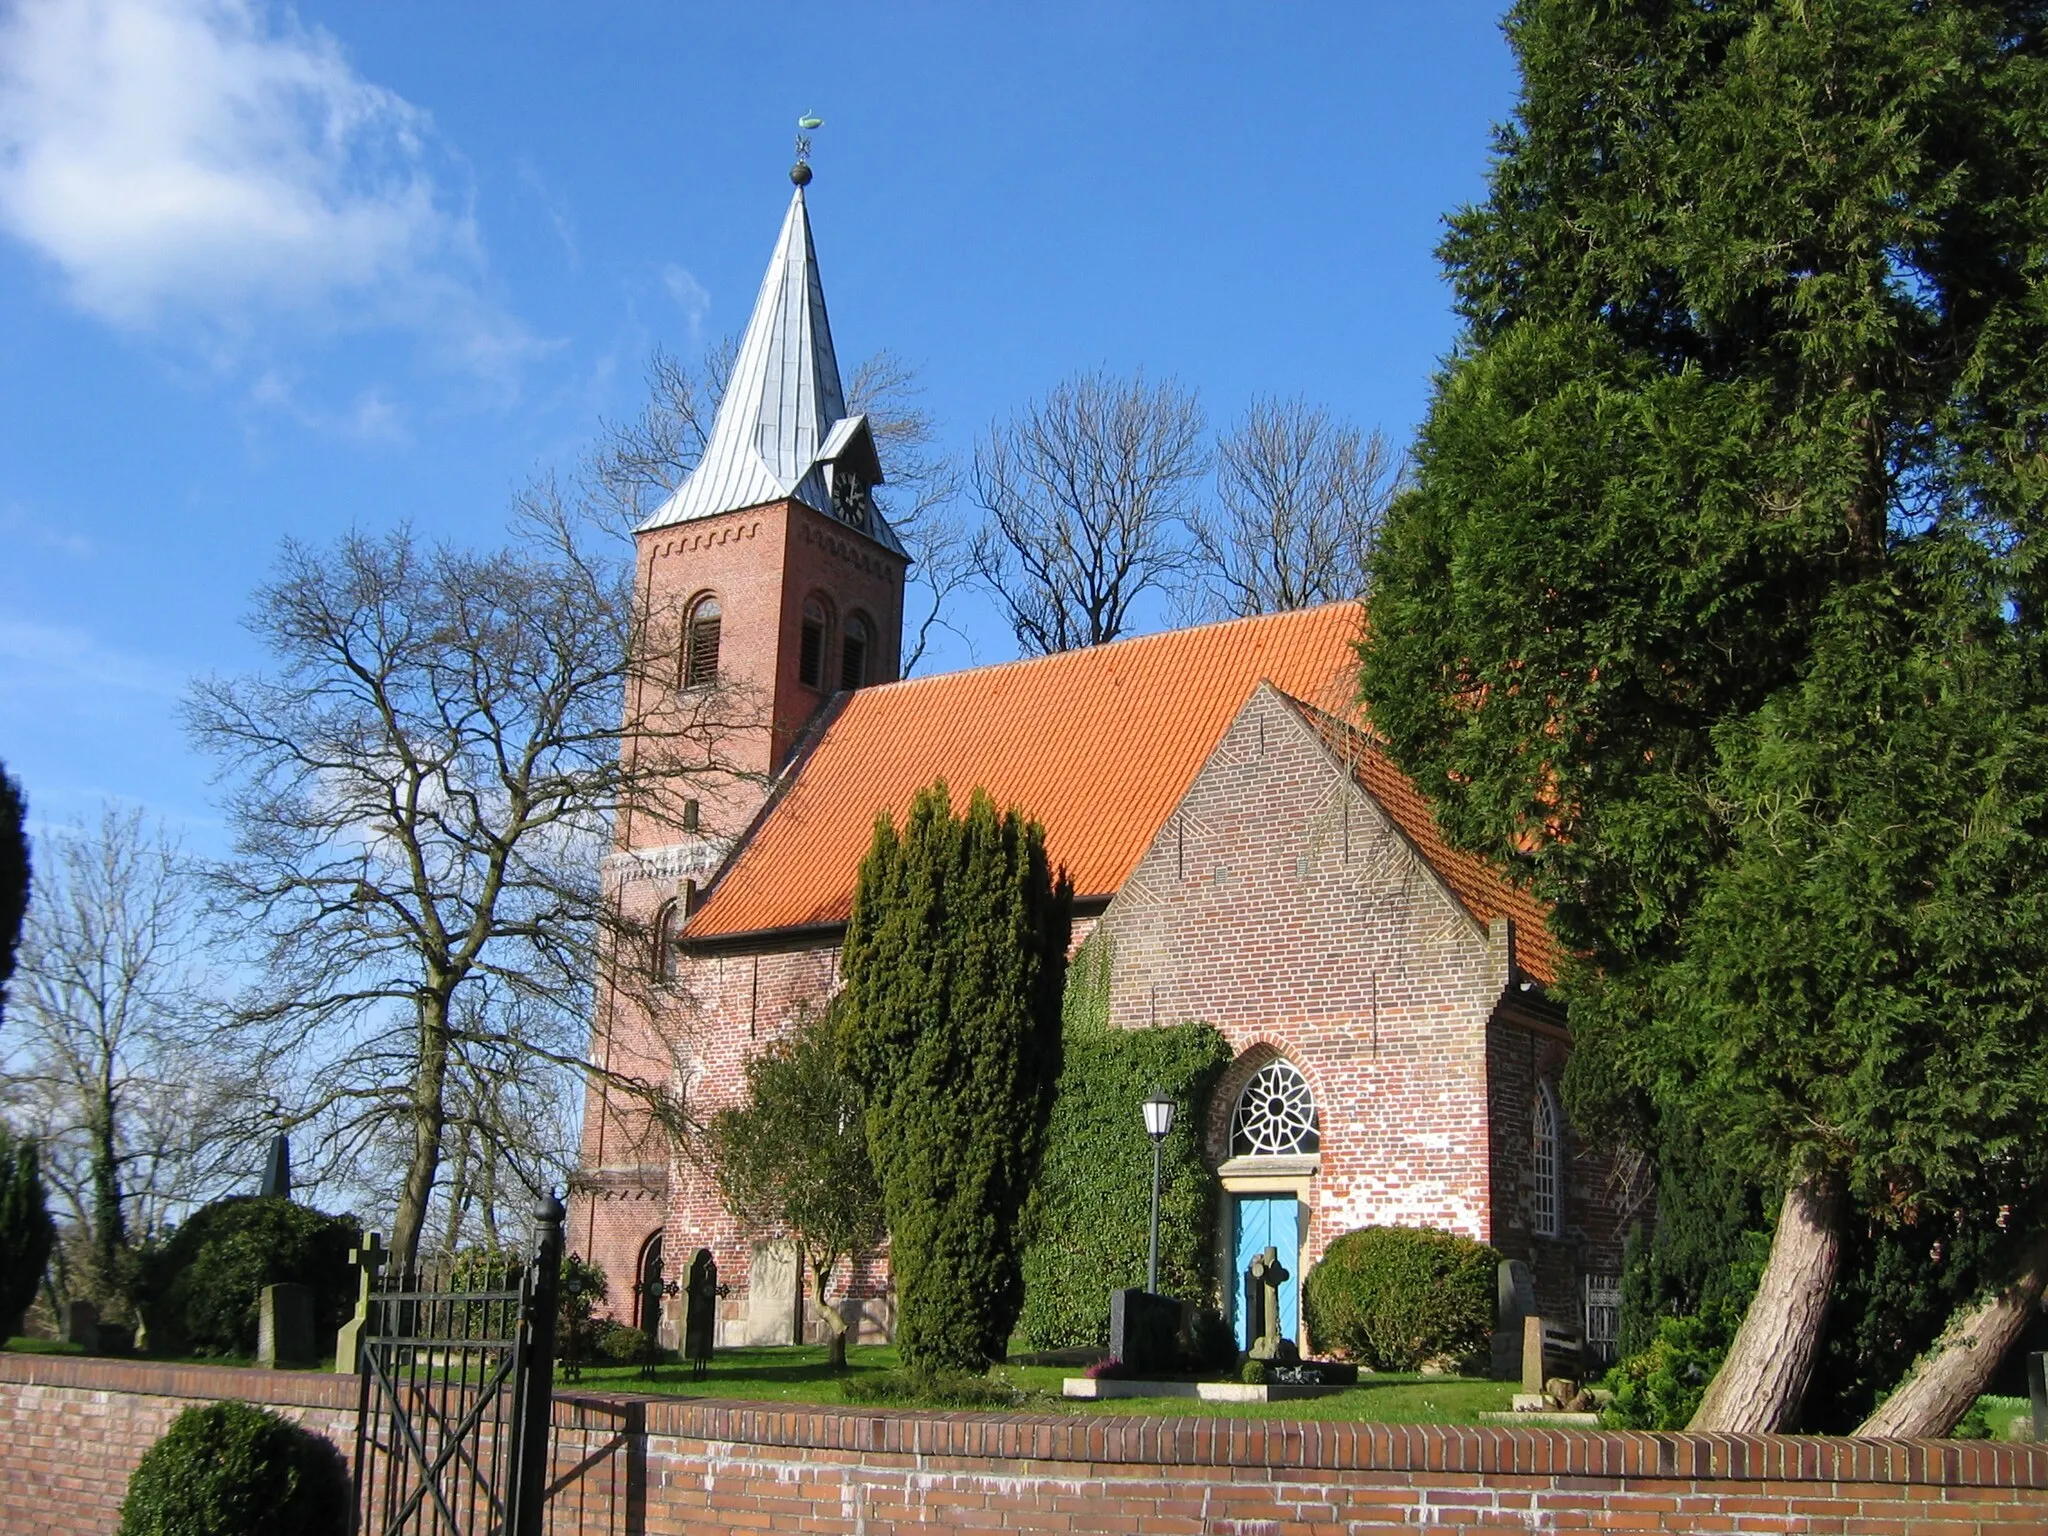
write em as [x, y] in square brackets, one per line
[1547, 1160]
[661, 953]
[700, 643]
[1275, 1115]
[854, 648]
[810, 664]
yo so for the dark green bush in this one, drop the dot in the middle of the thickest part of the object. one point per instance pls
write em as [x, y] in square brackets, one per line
[1396, 1298]
[1658, 1387]
[26, 1231]
[227, 1469]
[1086, 1225]
[204, 1286]
[929, 1389]
[1210, 1343]
[577, 1327]
[628, 1346]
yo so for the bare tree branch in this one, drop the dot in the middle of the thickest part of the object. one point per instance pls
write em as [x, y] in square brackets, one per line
[1301, 499]
[1086, 493]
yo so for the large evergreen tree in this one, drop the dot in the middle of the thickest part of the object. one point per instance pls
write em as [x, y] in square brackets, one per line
[954, 960]
[1713, 612]
[26, 1231]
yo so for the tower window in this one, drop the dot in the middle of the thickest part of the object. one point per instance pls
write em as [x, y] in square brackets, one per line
[853, 653]
[1547, 1156]
[662, 946]
[700, 644]
[810, 666]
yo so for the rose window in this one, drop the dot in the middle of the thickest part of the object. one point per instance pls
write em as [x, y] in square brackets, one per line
[1276, 1115]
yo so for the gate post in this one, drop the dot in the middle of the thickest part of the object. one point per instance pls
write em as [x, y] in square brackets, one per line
[537, 1370]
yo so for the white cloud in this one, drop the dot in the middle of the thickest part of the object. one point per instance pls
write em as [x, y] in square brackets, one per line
[691, 296]
[46, 657]
[203, 165]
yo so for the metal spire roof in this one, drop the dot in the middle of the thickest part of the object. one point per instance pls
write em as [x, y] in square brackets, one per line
[782, 425]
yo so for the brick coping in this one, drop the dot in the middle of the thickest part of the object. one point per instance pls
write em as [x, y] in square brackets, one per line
[1168, 1441]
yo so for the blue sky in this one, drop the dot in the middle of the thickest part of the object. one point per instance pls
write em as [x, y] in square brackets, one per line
[269, 272]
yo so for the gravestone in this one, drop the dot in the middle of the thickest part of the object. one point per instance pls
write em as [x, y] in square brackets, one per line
[1144, 1330]
[1514, 1300]
[2037, 1394]
[348, 1343]
[772, 1293]
[700, 1312]
[284, 1326]
[1263, 1278]
[82, 1325]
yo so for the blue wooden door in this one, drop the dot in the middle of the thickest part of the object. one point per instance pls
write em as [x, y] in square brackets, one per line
[1262, 1222]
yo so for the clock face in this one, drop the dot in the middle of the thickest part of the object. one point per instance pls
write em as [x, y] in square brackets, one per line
[851, 501]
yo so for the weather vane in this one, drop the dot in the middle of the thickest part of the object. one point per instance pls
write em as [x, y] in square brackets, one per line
[800, 173]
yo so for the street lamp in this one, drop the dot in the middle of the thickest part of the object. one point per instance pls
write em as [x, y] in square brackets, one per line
[1158, 1122]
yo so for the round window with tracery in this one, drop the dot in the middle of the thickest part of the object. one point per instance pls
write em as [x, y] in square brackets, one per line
[1276, 1115]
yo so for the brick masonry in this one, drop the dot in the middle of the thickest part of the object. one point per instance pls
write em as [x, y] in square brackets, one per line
[636, 1466]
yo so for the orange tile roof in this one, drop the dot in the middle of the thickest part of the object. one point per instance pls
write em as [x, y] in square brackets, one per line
[1099, 745]
[1478, 885]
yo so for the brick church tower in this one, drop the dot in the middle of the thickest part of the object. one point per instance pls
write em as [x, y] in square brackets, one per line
[784, 583]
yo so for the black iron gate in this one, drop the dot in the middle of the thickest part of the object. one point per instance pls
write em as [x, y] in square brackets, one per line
[458, 1378]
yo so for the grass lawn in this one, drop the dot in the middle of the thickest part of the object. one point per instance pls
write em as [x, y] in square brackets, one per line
[799, 1375]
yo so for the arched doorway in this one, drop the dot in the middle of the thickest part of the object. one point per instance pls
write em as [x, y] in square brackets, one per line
[1274, 1141]
[647, 1314]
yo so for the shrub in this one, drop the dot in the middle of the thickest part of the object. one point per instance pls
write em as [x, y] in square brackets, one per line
[929, 1389]
[628, 1346]
[228, 1469]
[1211, 1345]
[205, 1285]
[583, 1290]
[1659, 1387]
[1395, 1298]
[26, 1231]
[1086, 1225]
[955, 957]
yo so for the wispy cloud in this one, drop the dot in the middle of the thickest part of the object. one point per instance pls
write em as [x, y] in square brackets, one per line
[203, 168]
[691, 297]
[19, 524]
[64, 659]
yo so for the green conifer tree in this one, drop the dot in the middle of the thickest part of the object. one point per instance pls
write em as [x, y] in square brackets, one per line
[26, 1231]
[14, 876]
[954, 960]
[1719, 557]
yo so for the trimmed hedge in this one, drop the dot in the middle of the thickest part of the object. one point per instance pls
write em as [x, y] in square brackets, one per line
[1086, 1225]
[1398, 1298]
[204, 1287]
[229, 1469]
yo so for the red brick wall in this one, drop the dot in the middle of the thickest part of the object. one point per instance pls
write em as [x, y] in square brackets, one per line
[624, 1466]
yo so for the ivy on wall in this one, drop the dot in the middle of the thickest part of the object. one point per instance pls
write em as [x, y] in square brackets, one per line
[1087, 1222]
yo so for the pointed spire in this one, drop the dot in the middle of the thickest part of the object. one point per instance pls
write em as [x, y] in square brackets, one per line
[782, 421]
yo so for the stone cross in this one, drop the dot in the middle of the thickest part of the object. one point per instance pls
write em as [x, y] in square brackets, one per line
[348, 1343]
[1266, 1274]
[700, 1311]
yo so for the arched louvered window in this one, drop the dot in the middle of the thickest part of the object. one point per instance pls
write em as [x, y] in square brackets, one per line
[810, 663]
[1276, 1114]
[661, 941]
[1547, 1159]
[700, 643]
[854, 647]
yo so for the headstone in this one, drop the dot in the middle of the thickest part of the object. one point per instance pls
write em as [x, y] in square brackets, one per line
[1264, 1277]
[348, 1343]
[1144, 1330]
[700, 1311]
[82, 1325]
[1532, 1354]
[284, 1326]
[2037, 1393]
[772, 1294]
[277, 1169]
[1514, 1299]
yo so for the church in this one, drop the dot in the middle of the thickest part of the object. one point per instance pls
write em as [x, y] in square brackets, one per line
[1228, 825]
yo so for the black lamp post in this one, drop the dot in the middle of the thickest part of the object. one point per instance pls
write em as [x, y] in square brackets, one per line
[1158, 1122]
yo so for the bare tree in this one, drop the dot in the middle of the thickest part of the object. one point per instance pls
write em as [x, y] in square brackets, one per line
[424, 786]
[111, 1048]
[639, 463]
[1087, 493]
[1300, 501]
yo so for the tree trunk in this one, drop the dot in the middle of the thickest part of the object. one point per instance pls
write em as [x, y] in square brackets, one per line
[1763, 1382]
[835, 1344]
[458, 1193]
[109, 1234]
[429, 1120]
[1942, 1384]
